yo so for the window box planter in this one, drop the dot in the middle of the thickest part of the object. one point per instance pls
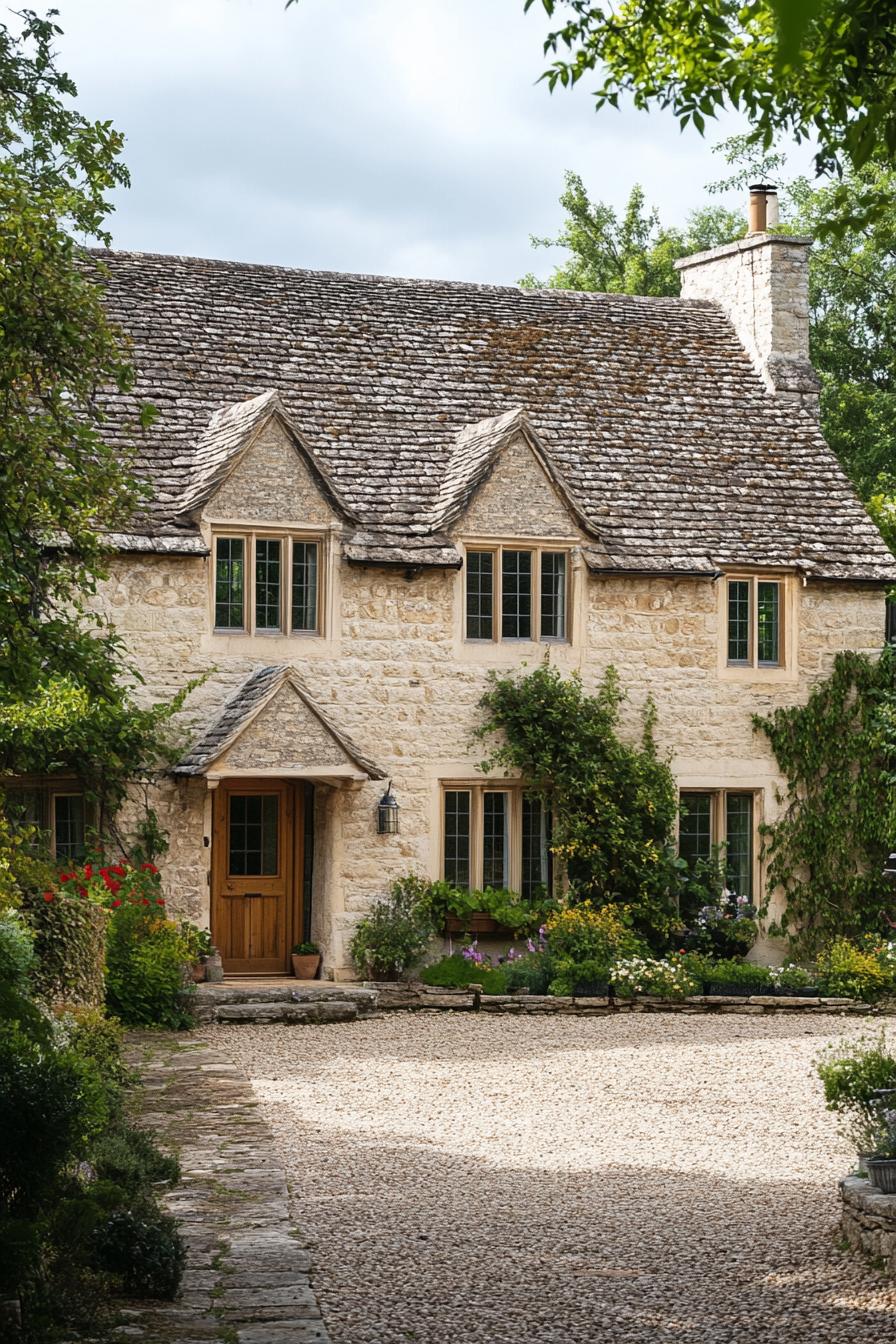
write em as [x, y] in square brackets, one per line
[591, 989]
[728, 989]
[476, 923]
[882, 1172]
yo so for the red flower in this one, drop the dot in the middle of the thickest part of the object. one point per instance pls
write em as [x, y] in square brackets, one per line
[113, 886]
[116, 904]
[148, 868]
[144, 901]
[48, 895]
[160, 901]
[117, 868]
[83, 891]
[88, 872]
[66, 877]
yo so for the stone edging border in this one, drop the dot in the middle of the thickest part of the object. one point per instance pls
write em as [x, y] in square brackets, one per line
[392, 995]
[868, 1220]
[247, 1278]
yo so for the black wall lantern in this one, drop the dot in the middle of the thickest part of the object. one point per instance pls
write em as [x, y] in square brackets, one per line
[890, 870]
[387, 813]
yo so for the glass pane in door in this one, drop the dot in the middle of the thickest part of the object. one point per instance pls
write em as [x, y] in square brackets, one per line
[253, 832]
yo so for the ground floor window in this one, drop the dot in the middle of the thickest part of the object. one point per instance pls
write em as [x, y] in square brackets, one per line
[495, 836]
[57, 809]
[720, 817]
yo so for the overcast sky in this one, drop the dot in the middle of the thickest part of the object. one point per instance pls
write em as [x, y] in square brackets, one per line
[404, 137]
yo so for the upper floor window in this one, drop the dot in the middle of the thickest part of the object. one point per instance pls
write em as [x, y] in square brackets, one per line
[517, 594]
[495, 836]
[266, 584]
[755, 609]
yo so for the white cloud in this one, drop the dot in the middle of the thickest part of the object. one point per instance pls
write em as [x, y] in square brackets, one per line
[365, 135]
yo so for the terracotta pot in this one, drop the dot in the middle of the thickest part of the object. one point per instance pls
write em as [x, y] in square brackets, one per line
[306, 968]
[478, 923]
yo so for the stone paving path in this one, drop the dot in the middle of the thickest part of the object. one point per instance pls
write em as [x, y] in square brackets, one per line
[246, 1280]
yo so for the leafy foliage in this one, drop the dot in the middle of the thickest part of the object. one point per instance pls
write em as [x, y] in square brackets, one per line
[508, 908]
[146, 957]
[70, 942]
[633, 254]
[392, 938]
[613, 804]
[456, 972]
[828, 849]
[851, 972]
[817, 69]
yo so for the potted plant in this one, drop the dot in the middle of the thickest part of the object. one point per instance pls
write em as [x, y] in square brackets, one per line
[738, 978]
[305, 961]
[881, 1163]
[793, 982]
[853, 1075]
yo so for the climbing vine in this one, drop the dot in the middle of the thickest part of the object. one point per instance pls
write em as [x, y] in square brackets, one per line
[613, 804]
[838, 754]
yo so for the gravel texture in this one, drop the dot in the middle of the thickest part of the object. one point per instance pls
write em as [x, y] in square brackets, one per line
[472, 1180]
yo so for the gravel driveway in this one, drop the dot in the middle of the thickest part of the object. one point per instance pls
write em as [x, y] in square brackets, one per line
[498, 1180]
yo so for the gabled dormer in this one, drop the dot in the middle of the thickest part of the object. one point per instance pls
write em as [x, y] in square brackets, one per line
[272, 518]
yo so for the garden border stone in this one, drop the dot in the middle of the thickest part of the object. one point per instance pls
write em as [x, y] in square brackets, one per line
[247, 1277]
[392, 995]
[868, 1220]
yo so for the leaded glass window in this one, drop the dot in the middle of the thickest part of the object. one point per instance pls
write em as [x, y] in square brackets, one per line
[229, 583]
[516, 594]
[768, 613]
[457, 837]
[535, 876]
[553, 595]
[267, 583]
[304, 586]
[739, 843]
[695, 827]
[254, 826]
[69, 825]
[495, 818]
[738, 620]
[480, 594]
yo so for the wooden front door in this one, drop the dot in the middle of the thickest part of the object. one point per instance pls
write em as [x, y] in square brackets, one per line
[256, 869]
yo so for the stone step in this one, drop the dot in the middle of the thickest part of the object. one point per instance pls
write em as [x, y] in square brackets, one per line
[334, 1010]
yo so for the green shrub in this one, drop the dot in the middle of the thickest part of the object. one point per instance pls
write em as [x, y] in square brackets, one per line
[147, 956]
[457, 972]
[392, 938]
[128, 1158]
[743, 975]
[16, 951]
[141, 1247]
[851, 1072]
[793, 977]
[569, 974]
[70, 947]
[582, 933]
[533, 971]
[849, 972]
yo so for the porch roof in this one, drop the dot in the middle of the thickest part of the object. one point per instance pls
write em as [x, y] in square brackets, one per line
[245, 705]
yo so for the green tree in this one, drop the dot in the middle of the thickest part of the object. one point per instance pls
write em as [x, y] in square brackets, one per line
[852, 314]
[628, 254]
[63, 697]
[820, 69]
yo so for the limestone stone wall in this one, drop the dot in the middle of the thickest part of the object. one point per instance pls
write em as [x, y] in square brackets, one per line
[396, 678]
[868, 1220]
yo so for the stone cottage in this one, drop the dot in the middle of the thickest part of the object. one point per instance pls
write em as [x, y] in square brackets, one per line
[367, 492]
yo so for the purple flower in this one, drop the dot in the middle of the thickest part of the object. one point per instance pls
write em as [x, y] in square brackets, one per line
[472, 953]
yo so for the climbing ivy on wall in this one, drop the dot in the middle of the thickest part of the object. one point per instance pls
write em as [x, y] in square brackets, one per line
[838, 754]
[613, 803]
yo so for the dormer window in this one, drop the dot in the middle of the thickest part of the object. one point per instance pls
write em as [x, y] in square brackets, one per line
[267, 584]
[517, 594]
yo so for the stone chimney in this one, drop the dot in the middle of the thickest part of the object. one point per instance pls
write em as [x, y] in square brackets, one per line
[761, 283]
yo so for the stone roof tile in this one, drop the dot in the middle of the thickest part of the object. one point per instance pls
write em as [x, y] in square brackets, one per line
[648, 408]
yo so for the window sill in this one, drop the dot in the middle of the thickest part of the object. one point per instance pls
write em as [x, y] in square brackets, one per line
[761, 675]
[261, 644]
